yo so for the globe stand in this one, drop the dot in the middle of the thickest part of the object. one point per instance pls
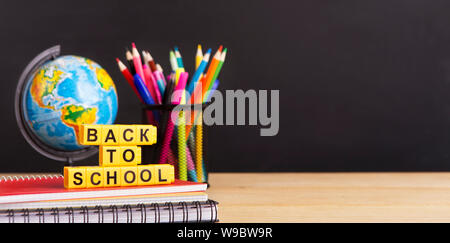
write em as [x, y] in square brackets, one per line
[69, 157]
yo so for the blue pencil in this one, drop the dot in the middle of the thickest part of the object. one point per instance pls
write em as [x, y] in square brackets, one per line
[201, 68]
[210, 92]
[145, 94]
[178, 57]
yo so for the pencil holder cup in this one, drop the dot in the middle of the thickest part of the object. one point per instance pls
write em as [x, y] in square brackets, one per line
[180, 142]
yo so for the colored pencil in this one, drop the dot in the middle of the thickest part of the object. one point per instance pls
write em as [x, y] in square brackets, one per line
[173, 61]
[163, 124]
[160, 81]
[129, 58]
[151, 84]
[211, 91]
[150, 61]
[199, 147]
[211, 70]
[179, 59]
[182, 159]
[175, 99]
[196, 98]
[196, 77]
[142, 89]
[198, 56]
[128, 76]
[182, 156]
[191, 173]
[146, 96]
[159, 68]
[137, 62]
[219, 67]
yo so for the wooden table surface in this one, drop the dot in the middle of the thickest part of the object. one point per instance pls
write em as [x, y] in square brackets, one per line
[332, 197]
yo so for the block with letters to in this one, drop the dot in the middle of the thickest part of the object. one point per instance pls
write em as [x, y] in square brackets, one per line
[119, 155]
[130, 155]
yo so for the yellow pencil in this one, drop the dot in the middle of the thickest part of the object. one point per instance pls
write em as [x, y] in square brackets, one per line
[198, 56]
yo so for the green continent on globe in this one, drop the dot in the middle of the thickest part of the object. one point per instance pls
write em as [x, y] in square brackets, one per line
[73, 116]
[65, 93]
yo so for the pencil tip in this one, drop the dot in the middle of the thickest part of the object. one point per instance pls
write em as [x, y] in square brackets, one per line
[133, 45]
[220, 48]
[117, 59]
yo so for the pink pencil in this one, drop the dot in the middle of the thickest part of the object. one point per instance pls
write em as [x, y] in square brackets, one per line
[138, 62]
[150, 82]
[176, 98]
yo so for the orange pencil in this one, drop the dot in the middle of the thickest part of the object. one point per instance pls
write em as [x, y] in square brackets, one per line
[211, 70]
[196, 98]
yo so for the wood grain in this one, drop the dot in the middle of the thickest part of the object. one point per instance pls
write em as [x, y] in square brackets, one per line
[332, 197]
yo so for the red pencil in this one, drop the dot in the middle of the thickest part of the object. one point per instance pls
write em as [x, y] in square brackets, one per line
[128, 76]
[150, 61]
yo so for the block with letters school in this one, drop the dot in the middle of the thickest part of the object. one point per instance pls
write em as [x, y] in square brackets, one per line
[98, 176]
[119, 158]
[117, 135]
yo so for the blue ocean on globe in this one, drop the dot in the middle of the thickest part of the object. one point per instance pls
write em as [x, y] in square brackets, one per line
[64, 93]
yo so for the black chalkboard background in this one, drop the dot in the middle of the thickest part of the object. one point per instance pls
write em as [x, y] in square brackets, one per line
[364, 85]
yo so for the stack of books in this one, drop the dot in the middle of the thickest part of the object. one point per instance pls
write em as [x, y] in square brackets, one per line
[119, 190]
[43, 199]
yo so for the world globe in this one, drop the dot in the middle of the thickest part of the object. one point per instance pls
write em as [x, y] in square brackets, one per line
[62, 94]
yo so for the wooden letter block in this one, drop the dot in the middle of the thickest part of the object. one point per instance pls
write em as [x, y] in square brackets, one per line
[109, 155]
[130, 155]
[90, 134]
[111, 176]
[129, 176]
[94, 176]
[74, 177]
[145, 134]
[110, 135]
[146, 175]
[119, 155]
[165, 174]
[127, 135]
[155, 174]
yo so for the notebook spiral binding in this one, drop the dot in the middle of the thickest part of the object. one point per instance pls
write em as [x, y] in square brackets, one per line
[4, 179]
[134, 213]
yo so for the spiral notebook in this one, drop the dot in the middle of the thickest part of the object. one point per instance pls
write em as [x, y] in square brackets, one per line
[43, 199]
[38, 188]
[183, 212]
